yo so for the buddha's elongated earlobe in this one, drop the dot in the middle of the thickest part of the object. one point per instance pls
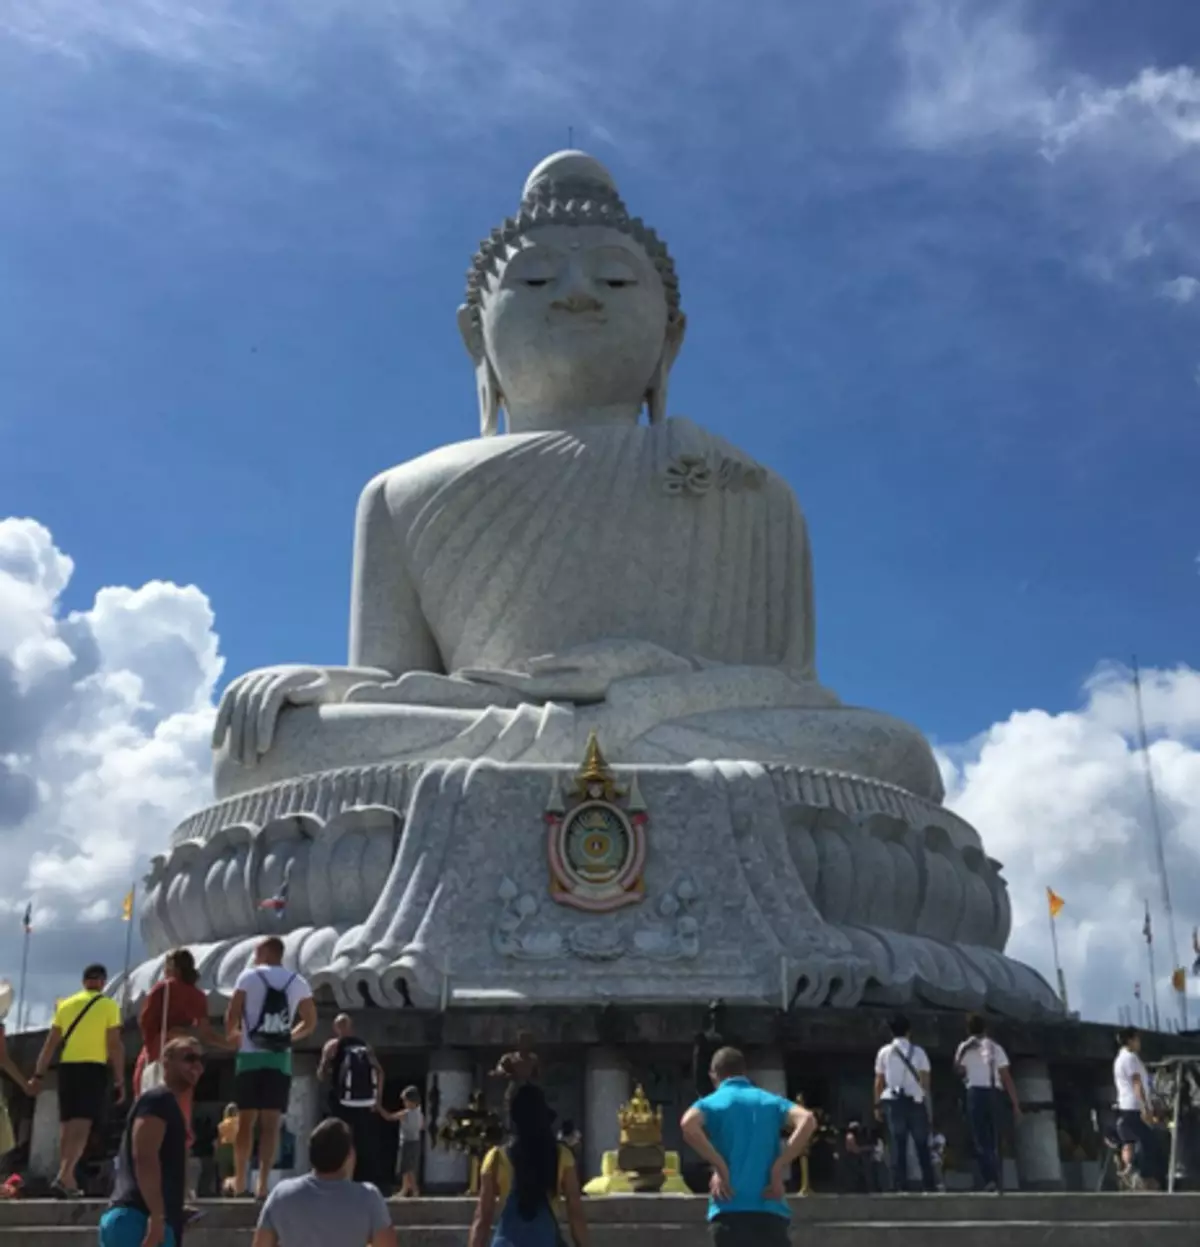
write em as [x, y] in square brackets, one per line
[489, 398]
[486, 382]
[656, 391]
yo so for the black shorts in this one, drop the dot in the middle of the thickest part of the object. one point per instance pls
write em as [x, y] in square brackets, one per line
[83, 1091]
[262, 1090]
[750, 1229]
[410, 1157]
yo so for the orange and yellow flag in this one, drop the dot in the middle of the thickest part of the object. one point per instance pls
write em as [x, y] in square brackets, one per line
[1179, 980]
[1055, 901]
[127, 907]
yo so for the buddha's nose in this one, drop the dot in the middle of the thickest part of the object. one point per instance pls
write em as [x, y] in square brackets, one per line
[578, 301]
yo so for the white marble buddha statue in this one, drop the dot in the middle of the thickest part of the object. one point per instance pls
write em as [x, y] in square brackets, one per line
[597, 566]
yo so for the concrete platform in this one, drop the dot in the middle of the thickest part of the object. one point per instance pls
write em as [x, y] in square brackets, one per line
[1071, 1220]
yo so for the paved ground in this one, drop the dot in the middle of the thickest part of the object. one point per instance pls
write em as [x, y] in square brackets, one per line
[1071, 1220]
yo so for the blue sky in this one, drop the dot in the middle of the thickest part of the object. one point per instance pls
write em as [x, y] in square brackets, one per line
[939, 259]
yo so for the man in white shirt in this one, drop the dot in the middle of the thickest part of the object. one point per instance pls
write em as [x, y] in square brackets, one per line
[983, 1066]
[1135, 1113]
[271, 1010]
[902, 1101]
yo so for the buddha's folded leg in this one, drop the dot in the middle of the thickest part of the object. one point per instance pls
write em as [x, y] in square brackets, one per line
[859, 742]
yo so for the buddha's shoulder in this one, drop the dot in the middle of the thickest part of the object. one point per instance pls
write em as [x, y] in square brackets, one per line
[429, 472]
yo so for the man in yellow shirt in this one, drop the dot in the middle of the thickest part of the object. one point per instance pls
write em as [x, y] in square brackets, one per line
[88, 1028]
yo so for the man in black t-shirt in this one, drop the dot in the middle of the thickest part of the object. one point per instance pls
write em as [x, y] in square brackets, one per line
[151, 1177]
[355, 1080]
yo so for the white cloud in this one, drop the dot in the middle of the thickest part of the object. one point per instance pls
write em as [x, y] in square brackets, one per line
[1181, 289]
[104, 721]
[1061, 800]
[975, 72]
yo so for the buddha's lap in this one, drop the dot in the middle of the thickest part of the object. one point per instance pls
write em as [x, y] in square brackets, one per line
[310, 740]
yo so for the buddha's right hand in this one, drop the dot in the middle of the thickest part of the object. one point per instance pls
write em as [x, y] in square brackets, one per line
[251, 706]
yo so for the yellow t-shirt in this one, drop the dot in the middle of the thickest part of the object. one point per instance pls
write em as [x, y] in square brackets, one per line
[89, 1043]
[497, 1162]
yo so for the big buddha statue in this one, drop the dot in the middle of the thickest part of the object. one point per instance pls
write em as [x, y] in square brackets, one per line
[590, 581]
[597, 566]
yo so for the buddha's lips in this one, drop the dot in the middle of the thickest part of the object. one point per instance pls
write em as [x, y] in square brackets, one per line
[575, 320]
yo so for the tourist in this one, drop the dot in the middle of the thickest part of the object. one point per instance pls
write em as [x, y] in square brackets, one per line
[1135, 1112]
[8, 1141]
[326, 1207]
[175, 1008]
[412, 1124]
[522, 1184]
[902, 1100]
[87, 1026]
[271, 1010]
[226, 1142]
[737, 1130]
[355, 1080]
[983, 1066]
[148, 1194]
[519, 1066]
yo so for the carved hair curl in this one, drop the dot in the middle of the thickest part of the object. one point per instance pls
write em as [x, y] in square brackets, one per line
[573, 201]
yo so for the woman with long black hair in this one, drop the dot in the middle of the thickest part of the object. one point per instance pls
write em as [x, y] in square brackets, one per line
[522, 1183]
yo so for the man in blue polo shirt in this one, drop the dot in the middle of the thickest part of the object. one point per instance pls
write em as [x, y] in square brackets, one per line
[739, 1131]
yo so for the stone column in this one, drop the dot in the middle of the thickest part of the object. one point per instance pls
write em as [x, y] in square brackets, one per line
[304, 1107]
[766, 1069]
[607, 1088]
[1039, 1167]
[44, 1138]
[447, 1172]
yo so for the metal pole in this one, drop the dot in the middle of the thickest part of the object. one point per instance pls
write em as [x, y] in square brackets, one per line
[1153, 984]
[21, 990]
[1062, 982]
[128, 950]
[1159, 852]
[1175, 1129]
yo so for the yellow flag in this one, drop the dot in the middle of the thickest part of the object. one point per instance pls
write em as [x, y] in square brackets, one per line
[1179, 980]
[1056, 902]
[127, 907]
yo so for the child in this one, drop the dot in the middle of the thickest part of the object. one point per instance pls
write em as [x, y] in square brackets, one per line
[226, 1137]
[412, 1123]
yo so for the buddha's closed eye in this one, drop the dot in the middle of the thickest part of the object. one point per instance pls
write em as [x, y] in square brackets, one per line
[619, 283]
[537, 281]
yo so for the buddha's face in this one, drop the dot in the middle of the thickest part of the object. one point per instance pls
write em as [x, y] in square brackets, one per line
[576, 317]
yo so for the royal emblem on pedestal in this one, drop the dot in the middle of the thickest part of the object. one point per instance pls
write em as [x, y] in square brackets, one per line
[596, 838]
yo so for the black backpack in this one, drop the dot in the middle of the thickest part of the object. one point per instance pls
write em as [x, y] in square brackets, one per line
[273, 1030]
[357, 1079]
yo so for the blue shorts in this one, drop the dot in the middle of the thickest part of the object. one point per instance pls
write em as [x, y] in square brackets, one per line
[126, 1227]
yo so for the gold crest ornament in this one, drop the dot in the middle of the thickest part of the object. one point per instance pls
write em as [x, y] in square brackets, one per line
[596, 838]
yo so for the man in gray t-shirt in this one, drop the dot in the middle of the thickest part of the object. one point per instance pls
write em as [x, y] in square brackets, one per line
[325, 1208]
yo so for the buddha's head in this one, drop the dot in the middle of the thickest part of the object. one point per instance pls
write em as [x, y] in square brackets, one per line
[572, 313]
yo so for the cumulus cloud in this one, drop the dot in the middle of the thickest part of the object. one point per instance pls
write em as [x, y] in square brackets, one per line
[104, 722]
[1061, 800]
[1181, 289]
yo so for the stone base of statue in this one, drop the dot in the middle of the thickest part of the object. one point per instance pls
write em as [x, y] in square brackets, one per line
[644, 1165]
[490, 884]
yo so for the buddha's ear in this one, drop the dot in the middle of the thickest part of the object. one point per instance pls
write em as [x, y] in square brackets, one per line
[487, 386]
[656, 392]
[472, 333]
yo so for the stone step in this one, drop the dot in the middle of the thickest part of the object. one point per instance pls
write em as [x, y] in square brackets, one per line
[617, 1217]
[684, 1210]
[1181, 1233]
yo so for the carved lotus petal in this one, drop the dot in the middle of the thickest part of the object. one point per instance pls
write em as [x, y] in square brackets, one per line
[527, 906]
[507, 890]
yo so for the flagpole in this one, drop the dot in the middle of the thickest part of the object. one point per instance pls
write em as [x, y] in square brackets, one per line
[1062, 982]
[24, 975]
[1159, 853]
[1149, 932]
[128, 949]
